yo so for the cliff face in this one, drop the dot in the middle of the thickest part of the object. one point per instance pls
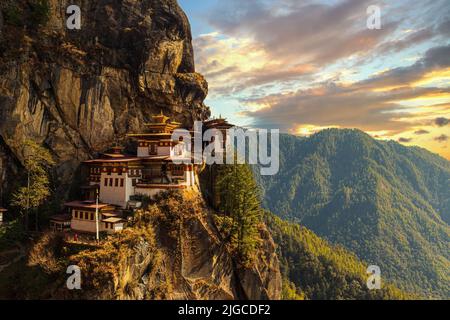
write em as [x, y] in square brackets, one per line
[191, 260]
[79, 91]
[172, 250]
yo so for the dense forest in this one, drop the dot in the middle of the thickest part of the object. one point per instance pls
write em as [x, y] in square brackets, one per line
[314, 269]
[387, 203]
[311, 267]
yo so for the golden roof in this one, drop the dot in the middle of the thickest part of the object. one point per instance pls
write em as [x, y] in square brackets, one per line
[161, 118]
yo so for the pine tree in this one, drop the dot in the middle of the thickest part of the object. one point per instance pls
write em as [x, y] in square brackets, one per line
[239, 199]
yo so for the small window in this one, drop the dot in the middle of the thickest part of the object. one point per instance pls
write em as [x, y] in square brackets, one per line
[76, 214]
[106, 225]
[106, 182]
[116, 182]
[133, 182]
[92, 216]
[111, 182]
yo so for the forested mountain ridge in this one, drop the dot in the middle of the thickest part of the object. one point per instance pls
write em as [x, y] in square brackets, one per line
[388, 203]
[314, 269]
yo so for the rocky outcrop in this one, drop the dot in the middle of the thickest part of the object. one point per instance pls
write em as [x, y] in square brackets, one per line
[79, 91]
[172, 250]
[188, 259]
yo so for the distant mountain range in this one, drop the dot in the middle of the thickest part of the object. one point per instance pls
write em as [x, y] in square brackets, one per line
[314, 269]
[387, 203]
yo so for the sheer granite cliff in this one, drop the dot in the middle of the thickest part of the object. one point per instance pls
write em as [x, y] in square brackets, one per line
[79, 91]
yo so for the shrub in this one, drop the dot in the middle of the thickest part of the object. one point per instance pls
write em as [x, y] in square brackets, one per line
[13, 15]
[40, 12]
[37, 13]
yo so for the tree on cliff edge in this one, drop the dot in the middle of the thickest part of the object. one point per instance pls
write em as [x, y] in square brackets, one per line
[37, 162]
[240, 201]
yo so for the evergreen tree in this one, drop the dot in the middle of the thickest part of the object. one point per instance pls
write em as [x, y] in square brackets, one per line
[37, 162]
[239, 199]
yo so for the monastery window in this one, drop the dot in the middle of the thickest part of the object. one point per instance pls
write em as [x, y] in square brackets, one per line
[121, 182]
[76, 214]
[111, 182]
[106, 182]
[133, 182]
[116, 184]
[178, 170]
[92, 216]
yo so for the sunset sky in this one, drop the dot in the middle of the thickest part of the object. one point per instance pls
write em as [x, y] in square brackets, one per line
[305, 65]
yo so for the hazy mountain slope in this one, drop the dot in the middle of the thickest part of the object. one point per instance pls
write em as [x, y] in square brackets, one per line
[387, 203]
[320, 270]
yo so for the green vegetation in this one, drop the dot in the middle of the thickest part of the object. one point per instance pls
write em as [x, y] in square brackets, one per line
[38, 160]
[40, 12]
[30, 13]
[13, 15]
[387, 203]
[239, 202]
[10, 233]
[314, 269]
[42, 274]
